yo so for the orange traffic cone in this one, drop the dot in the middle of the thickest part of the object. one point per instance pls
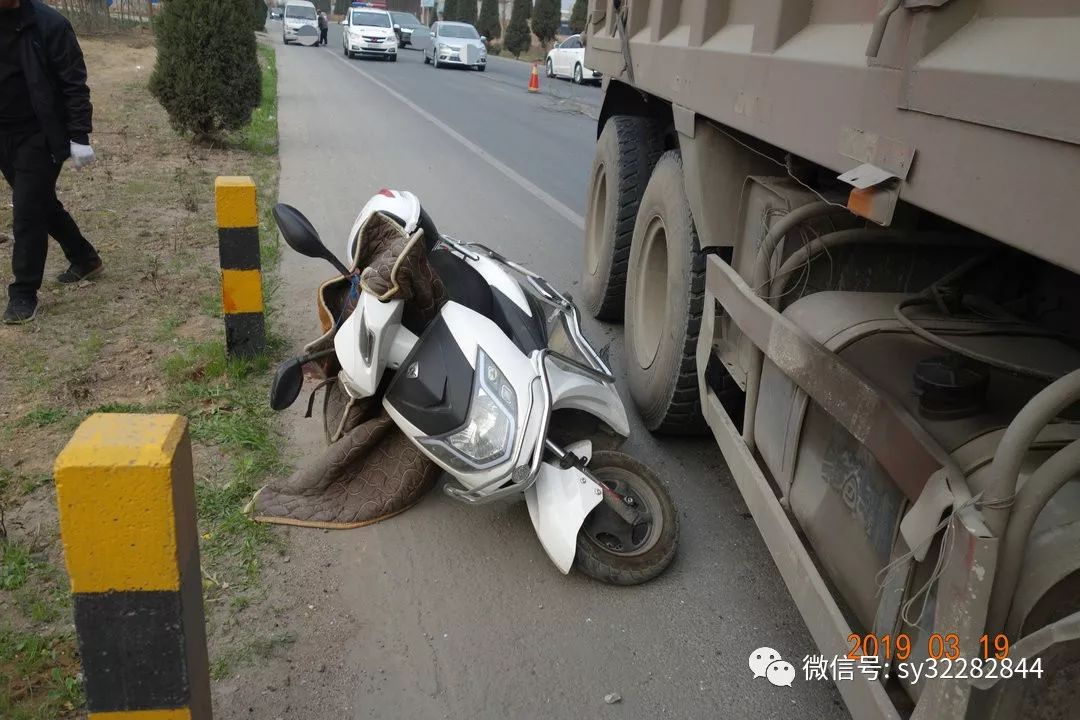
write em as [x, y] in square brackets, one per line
[534, 81]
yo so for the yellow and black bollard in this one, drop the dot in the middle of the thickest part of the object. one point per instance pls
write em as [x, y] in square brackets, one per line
[241, 271]
[126, 495]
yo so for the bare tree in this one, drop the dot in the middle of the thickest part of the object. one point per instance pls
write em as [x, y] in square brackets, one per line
[504, 9]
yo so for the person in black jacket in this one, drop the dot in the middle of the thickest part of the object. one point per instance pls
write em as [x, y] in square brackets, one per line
[45, 118]
[324, 27]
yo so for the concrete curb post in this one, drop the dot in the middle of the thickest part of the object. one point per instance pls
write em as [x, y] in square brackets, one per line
[241, 266]
[126, 496]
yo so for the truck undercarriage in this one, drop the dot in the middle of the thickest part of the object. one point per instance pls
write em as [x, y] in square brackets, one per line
[839, 236]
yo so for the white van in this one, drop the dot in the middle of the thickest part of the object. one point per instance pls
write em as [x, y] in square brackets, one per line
[298, 15]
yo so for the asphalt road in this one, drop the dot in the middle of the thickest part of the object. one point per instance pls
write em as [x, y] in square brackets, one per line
[516, 74]
[460, 613]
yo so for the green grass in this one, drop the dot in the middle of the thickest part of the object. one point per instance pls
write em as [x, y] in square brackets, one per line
[47, 416]
[43, 416]
[260, 137]
[47, 598]
[39, 611]
[30, 483]
[171, 319]
[90, 346]
[226, 403]
[38, 676]
[14, 485]
[16, 566]
[31, 367]
[40, 588]
[225, 399]
[251, 652]
[210, 304]
[120, 407]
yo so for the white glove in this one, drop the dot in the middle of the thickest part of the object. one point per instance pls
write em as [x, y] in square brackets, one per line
[81, 155]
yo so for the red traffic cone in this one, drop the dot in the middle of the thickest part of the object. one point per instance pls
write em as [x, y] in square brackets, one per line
[534, 81]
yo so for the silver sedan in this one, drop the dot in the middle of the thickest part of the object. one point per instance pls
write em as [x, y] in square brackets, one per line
[454, 43]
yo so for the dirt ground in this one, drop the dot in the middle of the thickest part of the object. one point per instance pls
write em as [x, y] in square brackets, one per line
[147, 336]
[147, 205]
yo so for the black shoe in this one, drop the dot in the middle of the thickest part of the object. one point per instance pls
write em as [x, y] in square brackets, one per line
[20, 311]
[76, 274]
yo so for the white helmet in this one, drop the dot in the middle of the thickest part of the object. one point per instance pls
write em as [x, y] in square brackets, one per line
[400, 205]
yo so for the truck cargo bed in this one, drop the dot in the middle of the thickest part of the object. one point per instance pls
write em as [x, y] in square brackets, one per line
[973, 104]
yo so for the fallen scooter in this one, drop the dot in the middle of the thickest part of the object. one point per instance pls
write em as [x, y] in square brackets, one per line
[486, 389]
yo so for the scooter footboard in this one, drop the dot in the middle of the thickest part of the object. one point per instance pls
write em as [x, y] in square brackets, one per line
[559, 501]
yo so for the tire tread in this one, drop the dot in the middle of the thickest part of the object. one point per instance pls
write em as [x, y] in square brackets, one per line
[681, 411]
[639, 148]
[589, 559]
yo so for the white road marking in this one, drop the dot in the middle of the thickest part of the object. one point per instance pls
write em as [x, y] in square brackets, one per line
[526, 185]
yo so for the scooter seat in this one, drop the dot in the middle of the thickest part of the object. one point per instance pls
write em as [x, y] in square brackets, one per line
[464, 283]
[466, 286]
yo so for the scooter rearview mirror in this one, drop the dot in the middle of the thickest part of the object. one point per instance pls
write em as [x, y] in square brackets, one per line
[302, 237]
[288, 380]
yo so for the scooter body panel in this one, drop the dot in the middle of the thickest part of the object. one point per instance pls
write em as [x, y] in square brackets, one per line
[559, 501]
[470, 333]
[499, 279]
[369, 341]
[572, 390]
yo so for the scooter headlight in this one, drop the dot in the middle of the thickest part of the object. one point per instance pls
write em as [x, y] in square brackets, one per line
[487, 437]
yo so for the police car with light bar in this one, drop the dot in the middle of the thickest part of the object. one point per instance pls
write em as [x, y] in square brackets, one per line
[369, 31]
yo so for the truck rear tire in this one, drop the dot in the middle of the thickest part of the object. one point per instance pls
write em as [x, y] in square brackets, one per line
[665, 295]
[626, 152]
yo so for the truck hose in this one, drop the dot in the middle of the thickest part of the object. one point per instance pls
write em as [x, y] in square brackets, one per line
[1030, 500]
[825, 243]
[760, 280]
[952, 347]
[1022, 431]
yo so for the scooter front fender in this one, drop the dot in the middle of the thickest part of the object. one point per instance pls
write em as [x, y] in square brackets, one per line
[577, 391]
[559, 501]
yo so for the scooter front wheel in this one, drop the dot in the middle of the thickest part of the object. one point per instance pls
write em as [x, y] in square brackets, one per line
[608, 547]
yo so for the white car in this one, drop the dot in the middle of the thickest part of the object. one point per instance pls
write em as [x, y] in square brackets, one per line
[567, 59]
[456, 43]
[370, 32]
[299, 15]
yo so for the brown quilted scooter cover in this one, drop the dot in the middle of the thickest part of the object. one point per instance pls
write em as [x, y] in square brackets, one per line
[370, 471]
[373, 472]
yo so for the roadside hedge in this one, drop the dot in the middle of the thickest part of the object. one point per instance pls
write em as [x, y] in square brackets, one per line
[488, 23]
[207, 74]
[518, 36]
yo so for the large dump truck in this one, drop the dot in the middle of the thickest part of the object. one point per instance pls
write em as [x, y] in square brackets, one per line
[843, 240]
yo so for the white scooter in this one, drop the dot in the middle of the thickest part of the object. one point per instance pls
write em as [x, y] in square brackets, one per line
[489, 390]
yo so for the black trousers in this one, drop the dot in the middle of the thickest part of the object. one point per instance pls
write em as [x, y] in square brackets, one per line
[322, 35]
[29, 169]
